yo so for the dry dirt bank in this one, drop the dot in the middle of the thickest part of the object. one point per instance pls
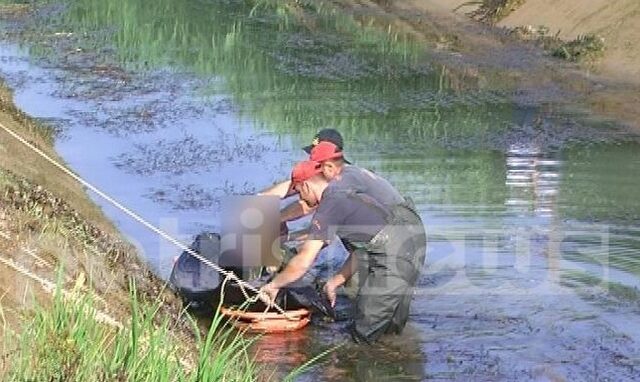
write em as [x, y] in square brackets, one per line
[617, 21]
[47, 222]
[610, 87]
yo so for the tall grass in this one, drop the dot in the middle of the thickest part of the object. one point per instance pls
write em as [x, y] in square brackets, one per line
[64, 342]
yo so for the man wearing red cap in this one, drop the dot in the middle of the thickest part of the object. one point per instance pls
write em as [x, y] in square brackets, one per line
[386, 242]
[283, 189]
[345, 176]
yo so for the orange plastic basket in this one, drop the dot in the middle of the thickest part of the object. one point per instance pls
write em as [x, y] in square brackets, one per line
[268, 322]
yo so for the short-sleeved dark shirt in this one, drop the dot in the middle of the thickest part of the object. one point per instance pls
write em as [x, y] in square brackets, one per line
[360, 180]
[354, 206]
[347, 216]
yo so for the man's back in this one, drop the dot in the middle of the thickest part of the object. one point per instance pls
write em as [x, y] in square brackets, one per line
[359, 180]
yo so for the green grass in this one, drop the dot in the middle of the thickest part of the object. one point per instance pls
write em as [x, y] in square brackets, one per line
[64, 342]
[582, 48]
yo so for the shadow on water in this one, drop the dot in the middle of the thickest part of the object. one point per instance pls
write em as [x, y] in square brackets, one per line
[531, 212]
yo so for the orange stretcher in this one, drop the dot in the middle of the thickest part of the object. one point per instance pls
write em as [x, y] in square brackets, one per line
[268, 322]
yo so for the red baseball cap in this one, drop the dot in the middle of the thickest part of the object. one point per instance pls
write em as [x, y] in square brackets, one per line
[324, 151]
[304, 170]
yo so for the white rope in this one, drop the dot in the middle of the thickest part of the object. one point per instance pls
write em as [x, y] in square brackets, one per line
[99, 315]
[50, 287]
[139, 219]
[39, 260]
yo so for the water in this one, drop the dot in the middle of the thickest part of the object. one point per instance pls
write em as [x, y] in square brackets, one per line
[531, 209]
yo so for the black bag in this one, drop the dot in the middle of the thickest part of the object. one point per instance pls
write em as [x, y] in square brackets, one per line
[194, 280]
[199, 285]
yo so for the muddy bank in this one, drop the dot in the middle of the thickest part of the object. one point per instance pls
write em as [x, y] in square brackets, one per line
[48, 224]
[607, 87]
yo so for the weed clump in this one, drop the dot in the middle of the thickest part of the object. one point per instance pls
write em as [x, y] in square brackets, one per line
[583, 48]
[492, 11]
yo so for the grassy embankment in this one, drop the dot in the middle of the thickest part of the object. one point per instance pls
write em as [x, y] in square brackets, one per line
[67, 308]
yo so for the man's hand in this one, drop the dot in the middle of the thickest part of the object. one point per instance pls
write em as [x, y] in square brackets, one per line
[268, 294]
[330, 290]
[306, 209]
[348, 269]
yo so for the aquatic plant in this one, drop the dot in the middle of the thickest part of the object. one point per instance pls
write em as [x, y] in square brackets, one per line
[280, 60]
[583, 48]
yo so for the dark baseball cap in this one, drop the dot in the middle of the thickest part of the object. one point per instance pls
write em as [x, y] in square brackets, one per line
[326, 135]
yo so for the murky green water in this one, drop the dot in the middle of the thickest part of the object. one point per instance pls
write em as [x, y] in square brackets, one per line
[531, 210]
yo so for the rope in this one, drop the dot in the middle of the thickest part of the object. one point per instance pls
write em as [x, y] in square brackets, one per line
[50, 287]
[139, 219]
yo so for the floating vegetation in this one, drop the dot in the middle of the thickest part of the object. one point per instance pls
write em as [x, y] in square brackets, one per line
[187, 154]
[193, 197]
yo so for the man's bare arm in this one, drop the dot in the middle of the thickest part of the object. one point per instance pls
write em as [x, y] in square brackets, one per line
[295, 211]
[348, 269]
[298, 265]
[281, 190]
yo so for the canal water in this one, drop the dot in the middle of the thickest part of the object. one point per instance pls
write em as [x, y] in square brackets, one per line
[530, 206]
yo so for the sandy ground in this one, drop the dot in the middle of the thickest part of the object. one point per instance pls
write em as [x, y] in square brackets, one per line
[609, 88]
[617, 21]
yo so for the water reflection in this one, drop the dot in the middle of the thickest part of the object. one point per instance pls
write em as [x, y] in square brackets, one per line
[533, 179]
[294, 78]
[395, 358]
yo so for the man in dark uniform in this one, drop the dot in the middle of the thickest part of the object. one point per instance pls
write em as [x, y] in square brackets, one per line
[387, 247]
[345, 176]
[283, 189]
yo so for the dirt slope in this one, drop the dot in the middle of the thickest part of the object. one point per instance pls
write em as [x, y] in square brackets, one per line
[608, 88]
[48, 223]
[618, 21]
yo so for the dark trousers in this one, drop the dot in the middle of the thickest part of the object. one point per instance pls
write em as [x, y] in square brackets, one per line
[388, 267]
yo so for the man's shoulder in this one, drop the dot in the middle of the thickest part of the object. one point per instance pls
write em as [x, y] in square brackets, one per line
[334, 192]
[349, 177]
